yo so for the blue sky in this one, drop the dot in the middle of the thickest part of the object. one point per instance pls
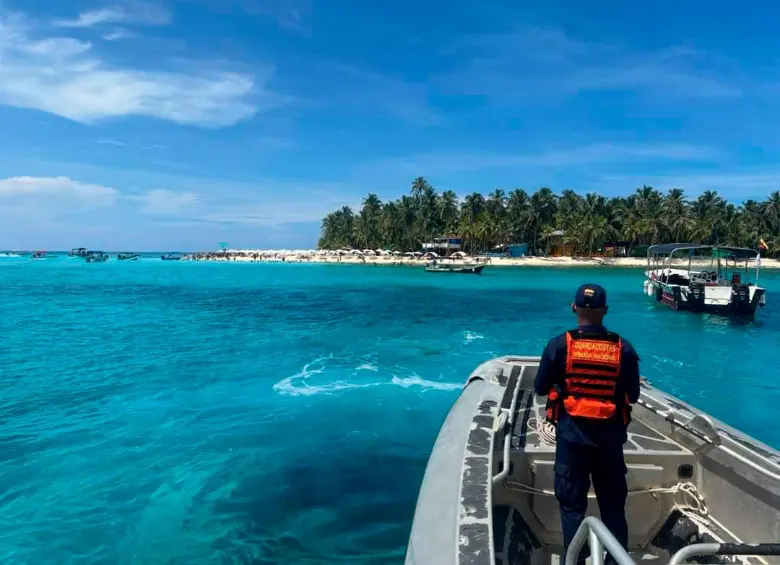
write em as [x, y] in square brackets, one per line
[182, 124]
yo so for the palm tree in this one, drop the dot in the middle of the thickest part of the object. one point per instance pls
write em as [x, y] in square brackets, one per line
[645, 216]
[419, 185]
[448, 211]
[517, 209]
[541, 212]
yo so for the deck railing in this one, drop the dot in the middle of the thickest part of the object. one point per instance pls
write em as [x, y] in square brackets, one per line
[595, 533]
[599, 538]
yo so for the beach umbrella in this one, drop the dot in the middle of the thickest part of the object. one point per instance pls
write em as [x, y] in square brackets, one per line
[396, 253]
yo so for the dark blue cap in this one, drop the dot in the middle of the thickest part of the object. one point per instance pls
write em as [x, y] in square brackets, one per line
[590, 296]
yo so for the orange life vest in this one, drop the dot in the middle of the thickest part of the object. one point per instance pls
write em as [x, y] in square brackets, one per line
[590, 383]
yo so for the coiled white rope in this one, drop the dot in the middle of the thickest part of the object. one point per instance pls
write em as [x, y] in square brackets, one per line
[544, 428]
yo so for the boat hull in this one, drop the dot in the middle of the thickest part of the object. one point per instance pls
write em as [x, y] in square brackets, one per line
[471, 270]
[487, 495]
[733, 301]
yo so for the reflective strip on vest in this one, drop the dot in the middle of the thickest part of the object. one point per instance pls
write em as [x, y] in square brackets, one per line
[592, 369]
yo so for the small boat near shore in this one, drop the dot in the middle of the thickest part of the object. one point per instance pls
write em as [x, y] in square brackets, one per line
[454, 265]
[705, 278]
[697, 487]
[128, 256]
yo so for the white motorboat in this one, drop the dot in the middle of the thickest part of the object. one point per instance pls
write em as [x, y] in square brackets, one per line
[455, 264]
[705, 278]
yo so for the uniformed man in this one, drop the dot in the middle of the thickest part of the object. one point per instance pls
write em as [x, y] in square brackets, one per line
[591, 377]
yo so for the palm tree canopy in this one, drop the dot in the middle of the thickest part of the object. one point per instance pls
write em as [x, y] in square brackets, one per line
[644, 217]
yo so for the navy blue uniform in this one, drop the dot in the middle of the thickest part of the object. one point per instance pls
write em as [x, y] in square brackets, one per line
[586, 448]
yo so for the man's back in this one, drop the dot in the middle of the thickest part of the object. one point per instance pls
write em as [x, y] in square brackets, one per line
[552, 373]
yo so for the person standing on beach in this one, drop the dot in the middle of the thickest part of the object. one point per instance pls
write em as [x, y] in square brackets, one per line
[590, 377]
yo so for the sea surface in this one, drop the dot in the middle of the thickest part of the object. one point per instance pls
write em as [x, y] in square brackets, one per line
[184, 413]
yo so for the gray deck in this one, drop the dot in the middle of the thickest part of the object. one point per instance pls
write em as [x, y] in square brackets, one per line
[640, 437]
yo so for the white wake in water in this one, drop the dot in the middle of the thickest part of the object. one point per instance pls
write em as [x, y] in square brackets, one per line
[469, 336]
[407, 382]
[297, 385]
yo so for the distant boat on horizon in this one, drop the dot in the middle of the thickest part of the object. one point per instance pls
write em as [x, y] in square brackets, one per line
[78, 252]
[11, 255]
[96, 257]
[128, 256]
[172, 257]
[38, 255]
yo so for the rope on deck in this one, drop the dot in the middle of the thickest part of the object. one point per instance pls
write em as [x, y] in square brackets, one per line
[544, 428]
[692, 500]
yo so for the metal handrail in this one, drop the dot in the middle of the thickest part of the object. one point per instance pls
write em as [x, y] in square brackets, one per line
[715, 443]
[508, 428]
[698, 549]
[599, 538]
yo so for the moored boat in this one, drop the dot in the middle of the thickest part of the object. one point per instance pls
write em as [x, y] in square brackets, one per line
[696, 486]
[705, 278]
[447, 265]
[171, 257]
[78, 252]
[39, 255]
[96, 257]
[128, 256]
[11, 255]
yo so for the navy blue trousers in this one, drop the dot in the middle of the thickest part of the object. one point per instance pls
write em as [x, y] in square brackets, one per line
[575, 464]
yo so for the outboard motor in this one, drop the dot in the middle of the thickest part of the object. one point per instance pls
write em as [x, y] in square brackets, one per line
[740, 297]
[696, 296]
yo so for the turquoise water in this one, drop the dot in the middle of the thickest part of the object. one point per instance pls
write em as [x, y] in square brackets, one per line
[177, 413]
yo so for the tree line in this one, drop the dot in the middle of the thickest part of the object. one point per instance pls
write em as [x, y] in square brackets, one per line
[645, 217]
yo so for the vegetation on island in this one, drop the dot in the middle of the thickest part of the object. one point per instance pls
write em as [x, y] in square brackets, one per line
[645, 217]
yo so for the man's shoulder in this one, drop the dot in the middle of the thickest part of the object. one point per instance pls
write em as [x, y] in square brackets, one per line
[558, 340]
[628, 348]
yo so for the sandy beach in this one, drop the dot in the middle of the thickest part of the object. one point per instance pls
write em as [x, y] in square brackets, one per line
[311, 256]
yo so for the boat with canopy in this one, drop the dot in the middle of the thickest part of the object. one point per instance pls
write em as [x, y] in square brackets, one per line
[705, 278]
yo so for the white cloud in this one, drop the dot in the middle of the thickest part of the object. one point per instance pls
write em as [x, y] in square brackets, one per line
[116, 35]
[535, 62]
[66, 77]
[137, 12]
[165, 202]
[52, 196]
[186, 199]
[601, 153]
[111, 142]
